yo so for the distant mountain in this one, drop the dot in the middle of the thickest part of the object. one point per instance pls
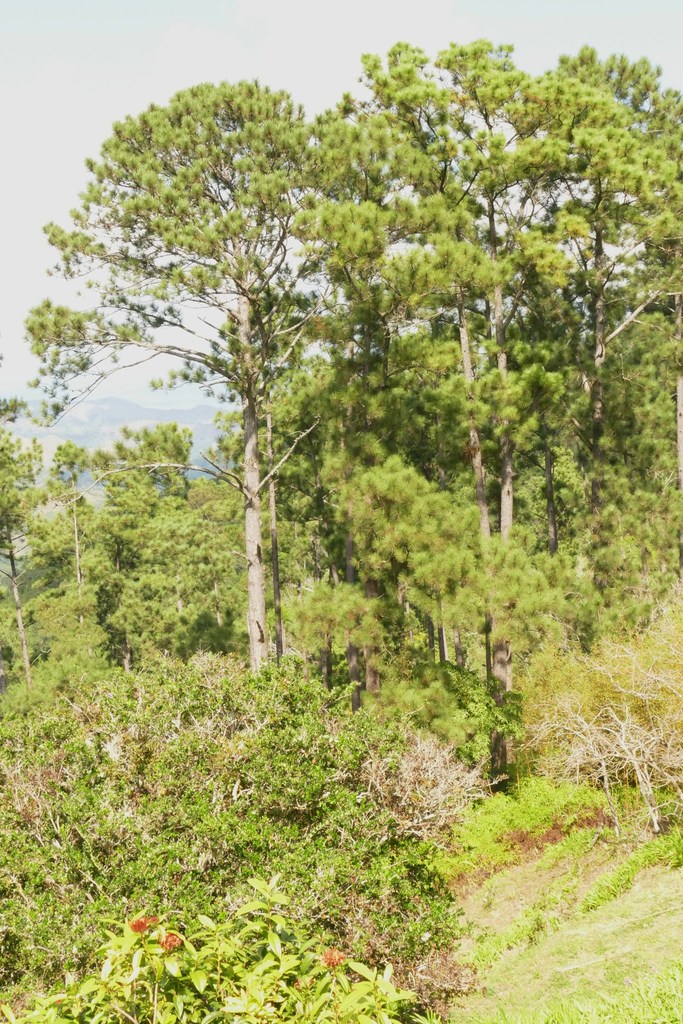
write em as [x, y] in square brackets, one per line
[97, 423]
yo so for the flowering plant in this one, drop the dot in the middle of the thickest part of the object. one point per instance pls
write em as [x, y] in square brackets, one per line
[254, 967]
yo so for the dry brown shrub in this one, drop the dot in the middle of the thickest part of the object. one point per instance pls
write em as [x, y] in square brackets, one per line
[426, 788]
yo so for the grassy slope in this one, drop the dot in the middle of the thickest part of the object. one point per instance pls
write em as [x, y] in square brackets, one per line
[565, 954]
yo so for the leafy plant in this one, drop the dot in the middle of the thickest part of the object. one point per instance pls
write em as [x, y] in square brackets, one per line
[256, 966]
[497, 832]
[174, 786]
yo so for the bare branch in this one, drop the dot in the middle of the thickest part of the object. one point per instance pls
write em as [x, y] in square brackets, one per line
[290, 450]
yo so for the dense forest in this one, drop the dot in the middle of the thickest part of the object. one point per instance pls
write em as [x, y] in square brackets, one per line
[420, 596]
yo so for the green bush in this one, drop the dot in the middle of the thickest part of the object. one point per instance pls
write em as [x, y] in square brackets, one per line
[499, 831]
[172, 787]
[256, 966]
[453, 703]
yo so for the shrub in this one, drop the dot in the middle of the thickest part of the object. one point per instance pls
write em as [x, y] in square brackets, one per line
[174, 786]
[502, 829]
[256, 966]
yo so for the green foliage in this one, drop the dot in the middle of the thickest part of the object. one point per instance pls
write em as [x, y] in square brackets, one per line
[500, 830]
[452, 703]
[256, 964]
[172, 787]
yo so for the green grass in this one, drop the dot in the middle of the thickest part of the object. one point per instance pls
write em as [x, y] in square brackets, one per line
[579, 961]
[655, 1001]
[662, 850]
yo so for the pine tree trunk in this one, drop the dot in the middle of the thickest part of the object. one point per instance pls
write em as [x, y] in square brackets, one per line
[256, 580]
[326, 664]
[506, 486]
[352, 659]
[431, 642]
[443, 644]
[77, 554]
[550, 500]
[441, 637]
[14, 583]
[597, 395]
[275, 557]
[679, 421]
[371, 653]
[253, 526]
[488, 627]
[457, 646]
[502, 753]
[217, 604]
[475, 442]
[127, 655]
[500, 655]
[506, 443]
[3, 674]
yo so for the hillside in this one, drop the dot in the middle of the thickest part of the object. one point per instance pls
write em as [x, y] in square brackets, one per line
[97, 423]
[162, 793]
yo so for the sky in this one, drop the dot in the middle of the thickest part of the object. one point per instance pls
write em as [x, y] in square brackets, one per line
[70, 69]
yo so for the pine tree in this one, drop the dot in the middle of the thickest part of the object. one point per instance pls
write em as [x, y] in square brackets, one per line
[187, 232]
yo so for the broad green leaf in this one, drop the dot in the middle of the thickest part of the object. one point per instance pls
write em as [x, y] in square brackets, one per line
[365, 972]
[173, 967]
[200, 980]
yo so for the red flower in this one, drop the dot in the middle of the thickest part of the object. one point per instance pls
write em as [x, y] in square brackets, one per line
[141, 924]
[333, 957]
[170, 941]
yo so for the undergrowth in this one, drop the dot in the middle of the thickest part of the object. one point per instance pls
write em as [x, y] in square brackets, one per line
[169, 789]
[256, 966]
[502, 830]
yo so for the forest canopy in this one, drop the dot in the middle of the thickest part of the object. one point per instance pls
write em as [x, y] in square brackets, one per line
[445, 318]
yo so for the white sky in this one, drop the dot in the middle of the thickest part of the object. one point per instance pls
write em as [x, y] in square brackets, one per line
[70, 68]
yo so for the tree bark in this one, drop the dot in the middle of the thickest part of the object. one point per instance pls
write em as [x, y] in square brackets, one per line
[506, 486]
[256, 580]
[550, 500]
[502, 753]
[506, 443]
[488, 626]
[430, 635]
[597, 395]
[326, 664]
[352, 659]
[14, 583]
[371, 653]
[127, 655]
[457, 646]
[3, 674]
[443, 644]
[77, 554]
[274, 550]
[441, 637]
[475, 441]
[217, 604]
